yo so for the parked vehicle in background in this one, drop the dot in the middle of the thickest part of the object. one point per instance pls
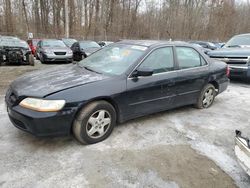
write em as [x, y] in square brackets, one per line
[104, 43]
[15, 51]
[204, 44]
[69, 41]
[82, 49]
[236, 53]
[242, 151]
[53, 50]
[33, 45]
[218, 44]
[122, 81]
[204, 50]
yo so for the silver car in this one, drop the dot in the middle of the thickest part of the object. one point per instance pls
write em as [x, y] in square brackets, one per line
[52, 50]
[242, 151]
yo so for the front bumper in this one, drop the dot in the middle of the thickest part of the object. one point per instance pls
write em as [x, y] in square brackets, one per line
[54, 58]
[15, 60]
[239, 71]
[242, 151]
[42, 123]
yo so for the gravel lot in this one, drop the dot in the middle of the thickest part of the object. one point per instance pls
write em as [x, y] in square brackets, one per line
[185, 147]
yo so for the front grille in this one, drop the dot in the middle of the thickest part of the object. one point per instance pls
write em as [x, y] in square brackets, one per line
[60, 53]
[232, 60]
[14, 56]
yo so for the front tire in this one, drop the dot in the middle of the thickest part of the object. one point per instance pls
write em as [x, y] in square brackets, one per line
[37, 58]
[94, 123]
[206, 97]
[31, 60]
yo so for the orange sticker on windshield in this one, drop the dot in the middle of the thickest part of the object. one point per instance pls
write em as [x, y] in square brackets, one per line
[126, 52]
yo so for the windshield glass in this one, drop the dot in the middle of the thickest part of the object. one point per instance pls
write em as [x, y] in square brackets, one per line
[35, 41]
[243, 40]
[89, 45]
[115, 59]
[13, 43]
[53, 43]
[69, 42]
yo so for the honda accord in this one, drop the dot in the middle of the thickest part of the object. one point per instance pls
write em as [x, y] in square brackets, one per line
[122, 81]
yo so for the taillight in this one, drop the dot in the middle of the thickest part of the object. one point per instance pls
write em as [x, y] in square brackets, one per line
[228, 71]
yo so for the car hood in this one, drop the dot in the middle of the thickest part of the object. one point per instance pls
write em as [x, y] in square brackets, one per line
[91, 50]
[52, 80]
[57, 49]
[230, 52]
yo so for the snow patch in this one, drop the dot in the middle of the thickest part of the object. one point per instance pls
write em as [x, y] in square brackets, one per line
[134, 179]
[228, 164]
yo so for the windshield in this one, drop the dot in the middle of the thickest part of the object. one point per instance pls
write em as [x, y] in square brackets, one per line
[115, 59]
[237, 41]
[53, 43]
[13, 43]
[89, 45]
[35, 41]
[69, 42]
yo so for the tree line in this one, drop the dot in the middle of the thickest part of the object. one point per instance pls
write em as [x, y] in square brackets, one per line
[131, 19]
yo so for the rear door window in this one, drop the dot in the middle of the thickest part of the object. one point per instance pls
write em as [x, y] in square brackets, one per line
[189, 58]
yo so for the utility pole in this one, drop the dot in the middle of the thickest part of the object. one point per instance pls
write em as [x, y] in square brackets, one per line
[66, 4]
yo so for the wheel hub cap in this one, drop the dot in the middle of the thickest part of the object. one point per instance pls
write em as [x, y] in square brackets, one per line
[98, 124]
[208, 97]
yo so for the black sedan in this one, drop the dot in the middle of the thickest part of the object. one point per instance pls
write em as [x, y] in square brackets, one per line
[122, 81]
[82, 49]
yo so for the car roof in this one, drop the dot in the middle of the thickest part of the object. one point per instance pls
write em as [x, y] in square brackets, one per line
[9, 37]
[152, 43]
[244, 34]
[198, 41]
[50, 39]
[82, 41]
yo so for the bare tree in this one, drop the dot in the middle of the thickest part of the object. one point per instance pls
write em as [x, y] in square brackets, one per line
[115, 19]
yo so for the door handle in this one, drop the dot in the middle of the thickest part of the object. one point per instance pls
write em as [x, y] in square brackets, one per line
[171, 83]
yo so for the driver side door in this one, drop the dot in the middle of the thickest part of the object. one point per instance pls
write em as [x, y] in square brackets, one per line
[149, 94]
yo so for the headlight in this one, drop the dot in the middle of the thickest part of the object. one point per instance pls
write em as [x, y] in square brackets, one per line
[42, 105]
[48, 51]
[69, 52]
[87, 53]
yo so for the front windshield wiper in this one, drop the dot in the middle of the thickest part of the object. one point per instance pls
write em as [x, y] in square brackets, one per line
[89, 69]
[233, 46]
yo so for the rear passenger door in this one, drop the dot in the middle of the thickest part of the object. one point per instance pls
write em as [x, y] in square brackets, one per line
[192, 75]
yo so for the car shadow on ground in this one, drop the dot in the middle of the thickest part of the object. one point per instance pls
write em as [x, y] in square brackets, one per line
[59, 142]
[239, 81]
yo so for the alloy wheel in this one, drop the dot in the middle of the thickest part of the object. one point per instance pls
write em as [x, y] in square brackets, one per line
[208, 97]
[98, 124]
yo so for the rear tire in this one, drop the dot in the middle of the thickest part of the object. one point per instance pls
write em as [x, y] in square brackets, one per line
[37, 58]
[206, 97]
[94, 123]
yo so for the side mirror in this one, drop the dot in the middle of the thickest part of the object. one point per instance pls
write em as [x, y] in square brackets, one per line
[206, 52]
[142, 72]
